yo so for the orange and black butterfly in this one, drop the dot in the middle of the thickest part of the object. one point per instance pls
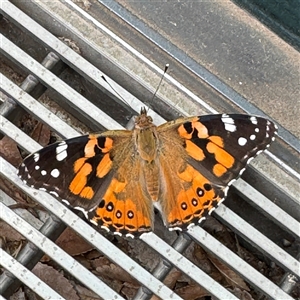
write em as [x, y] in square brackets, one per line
[183, 168]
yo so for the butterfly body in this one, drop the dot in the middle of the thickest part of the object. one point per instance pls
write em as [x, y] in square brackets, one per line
[183, 167]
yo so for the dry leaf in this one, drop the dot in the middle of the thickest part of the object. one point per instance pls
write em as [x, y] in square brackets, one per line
[10, 233]
[9, 151]
[18, 295]
[55, 280]
[231, 277]
[241, 294]
[191, 292]
[41, 133]
[72, 243]
[85, 294]
[107, 269]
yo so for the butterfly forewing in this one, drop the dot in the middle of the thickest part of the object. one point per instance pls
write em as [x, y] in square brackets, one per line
[68, 170]
[232, 141]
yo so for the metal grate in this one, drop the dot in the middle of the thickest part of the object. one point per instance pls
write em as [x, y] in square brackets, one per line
[92, 112]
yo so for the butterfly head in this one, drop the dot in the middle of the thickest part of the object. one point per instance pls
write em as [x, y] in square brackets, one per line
[143, 121]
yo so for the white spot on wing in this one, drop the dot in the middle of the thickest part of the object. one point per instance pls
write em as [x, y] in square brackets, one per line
[202, 219]
[230, 183]
[130, 235]
[44, 172]
[191, 225]
[228, 123]
[65, 201]
[37, 167]
[175, 228]
[42, 189]
[61, 152]
[36, 157]
[55, 173]
[253, 120]
[93, 222]
[83, 211]
[211, 210]
[252, 137]
[242, 141]
[249, 160]
[220, 202]
[104, 227]
[54, 193]
[256, 129]
[242, 171]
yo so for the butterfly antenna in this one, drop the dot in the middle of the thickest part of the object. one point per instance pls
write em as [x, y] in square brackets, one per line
[161, 79]
[104, 78]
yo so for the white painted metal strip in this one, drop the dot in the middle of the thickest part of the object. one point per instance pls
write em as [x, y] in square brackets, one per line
[58, 255]
[27, 277]
[240, 266]
[88, 233]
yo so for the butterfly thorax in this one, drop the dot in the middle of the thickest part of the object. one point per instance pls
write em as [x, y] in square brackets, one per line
[146, 143]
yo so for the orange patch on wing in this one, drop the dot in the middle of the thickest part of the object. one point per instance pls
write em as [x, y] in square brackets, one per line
[219, 170]
[194, 151]
[183, 133]
[107, 145]
[78, 164]
[118, 217]
[104, 166]
[221, 155]
[217, 140]
[116, 187]
[89, 149]
[188, 174]
[87, 192]
[202, 130]
[80, 179]
[130, 209]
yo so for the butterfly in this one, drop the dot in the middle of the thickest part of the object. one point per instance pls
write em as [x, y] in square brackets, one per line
[183, 168]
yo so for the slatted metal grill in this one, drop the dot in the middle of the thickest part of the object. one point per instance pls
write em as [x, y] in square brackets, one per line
[277, 175]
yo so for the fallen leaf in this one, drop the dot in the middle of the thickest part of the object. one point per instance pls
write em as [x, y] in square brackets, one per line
[9, 233]
[85, 294]
[231, 277]
[41, 133]
[55, 280]
[191, 292]
[108, 269]
[9, 151]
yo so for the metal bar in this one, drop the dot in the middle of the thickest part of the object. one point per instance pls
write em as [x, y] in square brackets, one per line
[163, 268]
[12, 131]
[78, 63]
[58, 255]
[29, 83]
[29, 279]
[30, 254]
[251, 275]
[256, 238]
[187, 267]
[50, 80]
[89, 234]
[278, 215]
[37, 109]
